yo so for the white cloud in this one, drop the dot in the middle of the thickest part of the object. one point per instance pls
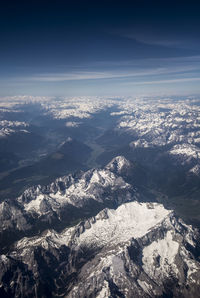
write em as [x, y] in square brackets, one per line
[114, 74]
[163, 81]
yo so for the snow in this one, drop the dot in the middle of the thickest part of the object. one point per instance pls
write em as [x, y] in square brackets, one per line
[72, 124]
[192, 265]
[117, 265]
[186, 150]
[118, 163]
[34, 204]
[97, 177]
[152, 120]
[195, 170]
[130, 220]
[10, 127]
[49, 238]
[153, 127]
[103, 177]
[105, 291]
[6, 123]
[165, 249]
[77, 107]
[139, 143]
[90, 186]
[122, 162]
[112, 230]
[144, 285]
[4, 259]
[6, 132]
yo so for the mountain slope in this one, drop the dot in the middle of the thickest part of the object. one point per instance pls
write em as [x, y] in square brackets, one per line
[137, 250]
[104, 242]
[64, 160]
[63, 202]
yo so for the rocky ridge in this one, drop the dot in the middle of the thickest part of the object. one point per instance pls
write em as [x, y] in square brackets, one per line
[139, 249]
[120, 247]
[65, 201]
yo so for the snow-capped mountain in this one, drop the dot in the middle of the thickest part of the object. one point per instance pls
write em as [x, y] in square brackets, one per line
[98, 185]
[10, 127]
[151, 121]
[119, 165]
[90, 234]
[156, 123]
[186, 152]
[66, 200]
[137, 250]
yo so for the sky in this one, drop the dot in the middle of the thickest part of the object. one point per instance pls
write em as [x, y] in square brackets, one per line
[73, 48]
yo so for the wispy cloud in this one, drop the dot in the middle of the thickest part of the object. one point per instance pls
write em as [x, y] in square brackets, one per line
[193, 61]
[153, 35]
[154, 40]
[181, 80]
[112, 74]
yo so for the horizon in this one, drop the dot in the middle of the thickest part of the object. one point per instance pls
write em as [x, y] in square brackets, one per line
[104, 49]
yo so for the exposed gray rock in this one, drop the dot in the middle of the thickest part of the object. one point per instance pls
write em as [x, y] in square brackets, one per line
[153, 256]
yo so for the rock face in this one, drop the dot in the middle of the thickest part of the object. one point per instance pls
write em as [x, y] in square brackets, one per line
[65, 201]
[136, 250]
[119, 165]
[147, 252]
[120, 248]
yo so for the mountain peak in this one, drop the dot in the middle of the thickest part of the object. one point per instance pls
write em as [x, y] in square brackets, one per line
[128, 248]
[118, 164]
[130, 220]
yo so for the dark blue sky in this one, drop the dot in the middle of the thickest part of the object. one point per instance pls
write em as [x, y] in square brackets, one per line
[99, 47]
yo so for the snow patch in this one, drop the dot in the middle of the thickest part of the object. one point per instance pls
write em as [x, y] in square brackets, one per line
[187, 150]
[162, 252]
[130, 220]
[118, 164]
[34, 205]
[105, 291]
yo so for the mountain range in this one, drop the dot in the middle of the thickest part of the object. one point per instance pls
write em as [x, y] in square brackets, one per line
[93, 235]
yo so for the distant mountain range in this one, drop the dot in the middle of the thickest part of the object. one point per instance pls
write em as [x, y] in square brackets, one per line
[99, 197]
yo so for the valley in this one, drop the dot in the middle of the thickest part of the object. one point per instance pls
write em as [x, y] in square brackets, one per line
[110, 188]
